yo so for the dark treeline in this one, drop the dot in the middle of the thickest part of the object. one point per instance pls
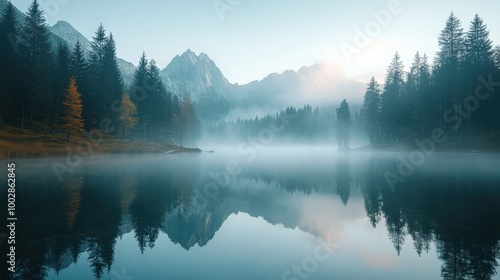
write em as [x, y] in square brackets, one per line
[35, 78]
[306, 124]
[458, 91]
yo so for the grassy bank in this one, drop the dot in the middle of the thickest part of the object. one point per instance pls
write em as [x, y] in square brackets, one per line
[33, 143]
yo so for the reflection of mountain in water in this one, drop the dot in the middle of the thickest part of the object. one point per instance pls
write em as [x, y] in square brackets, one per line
[456, 209]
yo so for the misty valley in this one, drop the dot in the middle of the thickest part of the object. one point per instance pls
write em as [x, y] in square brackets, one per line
[376, 157]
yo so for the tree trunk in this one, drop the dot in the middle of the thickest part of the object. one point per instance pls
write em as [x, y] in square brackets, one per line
[22, 120]
[31, 115]
[45, 130]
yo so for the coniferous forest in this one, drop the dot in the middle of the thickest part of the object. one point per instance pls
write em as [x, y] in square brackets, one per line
[70, 95]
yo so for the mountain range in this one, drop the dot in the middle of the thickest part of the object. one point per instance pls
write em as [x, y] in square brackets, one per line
[318, 85]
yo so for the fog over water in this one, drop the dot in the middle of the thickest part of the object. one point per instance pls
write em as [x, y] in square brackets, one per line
[225, 213]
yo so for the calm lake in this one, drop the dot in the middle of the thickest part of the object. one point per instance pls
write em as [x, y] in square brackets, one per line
[275, 213]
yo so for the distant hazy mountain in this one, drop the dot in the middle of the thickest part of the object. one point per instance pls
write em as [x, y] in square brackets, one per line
[19, 14]
[55, 40]
[318, 85]
[70, 35]
[196, 74]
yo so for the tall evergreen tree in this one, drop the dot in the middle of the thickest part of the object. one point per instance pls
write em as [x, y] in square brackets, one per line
[370, 112]
[38, 62]
[62, 78]
[343, 125]
[479, 48]
[78, 66]
[449, 59]
[79, 69]
[496, 57]
[111, 81]
[154, 101]
[410, 98]
[451, 43]
[93, 98]
[140, 93]
[391, 99]
[9, 67]
[188, 121]
[425, 99]
[99, 42]
[479, 61]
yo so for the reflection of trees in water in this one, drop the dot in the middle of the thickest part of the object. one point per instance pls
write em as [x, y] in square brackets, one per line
[153, 199]
[336, 179]
[100, 219]
[343, 178]
[456, 210]
[59, 221]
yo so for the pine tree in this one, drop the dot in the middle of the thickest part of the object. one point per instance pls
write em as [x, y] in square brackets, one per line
[496, 57]
[94, 107]
[425, 99]
[154, 102]
[98, 44]
[140, 93]
[111, 81]
[128, 114]
[370, 112]
[188, 122]
[176, 113]
[391, 99]
[451, 43]
[479, 48]
[78, 67]
[38, 59]
[343, 125]
[410, 98]
[62, 78]
[73, 122]
[9, 59]
[157, 99]
[479, 61]
[449, 59]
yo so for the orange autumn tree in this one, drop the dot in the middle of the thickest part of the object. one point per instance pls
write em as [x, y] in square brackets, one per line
[72, 120]
[128, 114]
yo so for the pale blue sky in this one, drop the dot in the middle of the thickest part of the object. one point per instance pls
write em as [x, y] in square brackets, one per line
[260, 37]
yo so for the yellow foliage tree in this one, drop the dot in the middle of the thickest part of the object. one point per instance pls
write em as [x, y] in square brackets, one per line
[128, 114]
[72, 120]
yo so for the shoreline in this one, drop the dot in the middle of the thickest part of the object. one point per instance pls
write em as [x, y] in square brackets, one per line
[16, 151]
[12, 150]
[30, 144]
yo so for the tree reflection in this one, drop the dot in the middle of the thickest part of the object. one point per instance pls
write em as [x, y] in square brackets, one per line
[455, 210]
[343, 177]
[148, 210]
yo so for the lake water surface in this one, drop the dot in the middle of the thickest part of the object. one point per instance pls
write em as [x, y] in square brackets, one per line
[277, 213]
